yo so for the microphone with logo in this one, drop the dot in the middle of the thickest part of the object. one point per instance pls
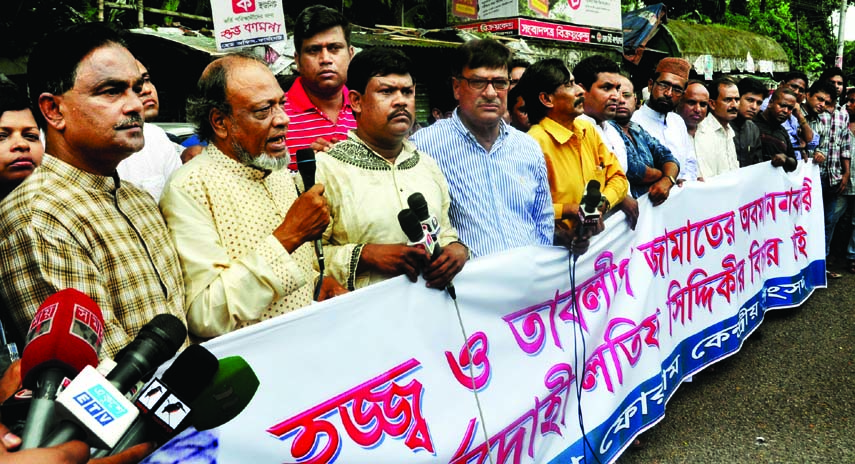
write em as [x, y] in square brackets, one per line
[94, 408]
[166, 400]
[64, 337]
[418, 237]
[418, 205]
[306, 165]
[223, 398]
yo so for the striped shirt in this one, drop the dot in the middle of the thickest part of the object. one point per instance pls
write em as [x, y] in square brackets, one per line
[499, 199]
[66, 228]
[308, 123]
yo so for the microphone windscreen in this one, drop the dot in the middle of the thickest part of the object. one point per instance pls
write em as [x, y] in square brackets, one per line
[419, 206]
[306, 166]
[228, 394]
[66, 333]
[191, 372]
[411, 225]
[156, 343]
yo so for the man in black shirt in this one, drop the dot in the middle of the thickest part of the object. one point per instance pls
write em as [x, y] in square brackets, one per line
[747, 140]
[774, 139]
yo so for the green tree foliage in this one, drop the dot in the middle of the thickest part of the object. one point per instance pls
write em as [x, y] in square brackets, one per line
[802, 27]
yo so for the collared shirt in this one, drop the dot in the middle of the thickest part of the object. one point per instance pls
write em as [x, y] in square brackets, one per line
[820, 123]
[791, 125]
[611, 137]
[309, 123]
[773, 138]
[499, 198]
[366, 192]
[66, 228]
[715, 148]
[838, 148]
[574, 157]
[670, 130]
[222, 215]
[749, 149]
[150, 168]
[642, 151]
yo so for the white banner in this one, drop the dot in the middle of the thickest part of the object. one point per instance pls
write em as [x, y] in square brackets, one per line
[383, 375]
[247, 23]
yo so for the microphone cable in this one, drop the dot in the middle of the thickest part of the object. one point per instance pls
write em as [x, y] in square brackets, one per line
[453, 295]
[586, 444]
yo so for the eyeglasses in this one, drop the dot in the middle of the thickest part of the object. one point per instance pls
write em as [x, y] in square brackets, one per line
[666, 86]
[481, 84]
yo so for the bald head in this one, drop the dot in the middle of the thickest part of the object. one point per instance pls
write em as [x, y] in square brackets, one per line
[694, 104]
[211, 90]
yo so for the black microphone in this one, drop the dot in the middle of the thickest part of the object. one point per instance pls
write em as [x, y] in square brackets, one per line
[417, 236]
[306, 165]
[224, 397]
[418, 205]
[167, 400]
[589, 206]
[157, 342]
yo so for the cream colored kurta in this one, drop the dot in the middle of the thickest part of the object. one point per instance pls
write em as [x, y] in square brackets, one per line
[715, 148]
[365, 194]
[222, 215]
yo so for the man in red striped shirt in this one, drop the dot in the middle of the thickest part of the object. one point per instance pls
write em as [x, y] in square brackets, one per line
[317, 102]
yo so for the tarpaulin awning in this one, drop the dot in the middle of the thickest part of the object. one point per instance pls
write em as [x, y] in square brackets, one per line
[710, 48]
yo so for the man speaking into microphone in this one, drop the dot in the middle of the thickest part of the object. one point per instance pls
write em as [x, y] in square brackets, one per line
[370, 176]
[242, 232]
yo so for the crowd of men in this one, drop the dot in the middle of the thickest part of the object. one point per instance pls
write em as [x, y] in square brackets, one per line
[225, 241]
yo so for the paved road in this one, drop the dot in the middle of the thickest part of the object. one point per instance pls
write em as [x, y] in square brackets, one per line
[787, 397]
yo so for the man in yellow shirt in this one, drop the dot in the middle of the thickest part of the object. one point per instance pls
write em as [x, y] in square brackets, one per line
[574, 151]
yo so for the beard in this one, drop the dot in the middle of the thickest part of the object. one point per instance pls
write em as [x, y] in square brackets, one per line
[662, 104]
[263, 161]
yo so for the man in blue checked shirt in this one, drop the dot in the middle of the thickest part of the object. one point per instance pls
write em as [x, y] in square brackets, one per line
[496, 174]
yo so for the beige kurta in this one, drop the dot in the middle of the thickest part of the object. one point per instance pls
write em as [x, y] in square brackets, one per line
[365, 194]
[222, 215]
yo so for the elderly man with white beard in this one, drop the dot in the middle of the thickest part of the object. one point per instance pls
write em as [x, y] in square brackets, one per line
[241, 231]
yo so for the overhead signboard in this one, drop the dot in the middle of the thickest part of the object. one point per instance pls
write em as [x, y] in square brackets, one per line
[247, 23]
[593, 13]
[524, 27]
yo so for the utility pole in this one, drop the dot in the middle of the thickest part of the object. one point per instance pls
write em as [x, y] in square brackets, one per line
[841, 40]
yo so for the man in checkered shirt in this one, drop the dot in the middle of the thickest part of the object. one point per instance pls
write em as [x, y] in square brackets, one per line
[73, 223]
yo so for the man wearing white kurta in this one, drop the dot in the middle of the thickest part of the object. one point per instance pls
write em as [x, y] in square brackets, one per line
[369, 177]
[714, 143]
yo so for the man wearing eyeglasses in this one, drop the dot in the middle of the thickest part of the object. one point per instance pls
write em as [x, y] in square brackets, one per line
[656, 115]
[496, 174]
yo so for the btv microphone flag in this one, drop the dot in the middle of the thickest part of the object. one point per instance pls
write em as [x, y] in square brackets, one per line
[64, 337]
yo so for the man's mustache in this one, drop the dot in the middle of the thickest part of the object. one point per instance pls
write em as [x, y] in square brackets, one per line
[400, 113]
[134, 120]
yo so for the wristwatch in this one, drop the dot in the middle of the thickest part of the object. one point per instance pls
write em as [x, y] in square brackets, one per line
[673, 180]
